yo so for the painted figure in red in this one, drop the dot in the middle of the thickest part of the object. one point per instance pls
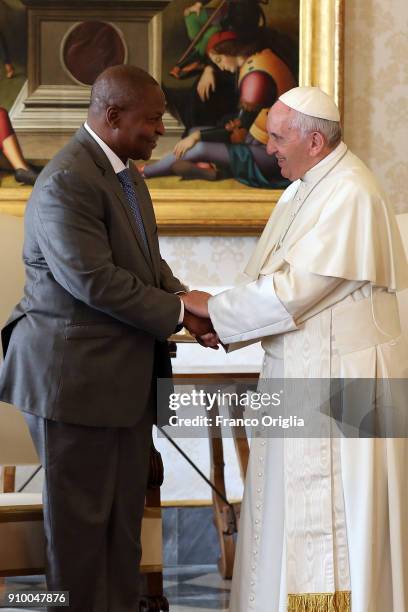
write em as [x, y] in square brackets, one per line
[11, 149]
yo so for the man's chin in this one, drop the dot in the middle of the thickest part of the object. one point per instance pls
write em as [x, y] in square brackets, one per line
[146, 155]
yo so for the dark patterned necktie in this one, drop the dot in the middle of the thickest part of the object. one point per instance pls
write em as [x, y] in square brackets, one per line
[125, 179]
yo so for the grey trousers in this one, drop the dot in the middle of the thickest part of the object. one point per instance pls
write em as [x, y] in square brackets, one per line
[94, 492]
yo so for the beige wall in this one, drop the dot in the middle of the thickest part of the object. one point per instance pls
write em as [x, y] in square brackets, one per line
[376, 91]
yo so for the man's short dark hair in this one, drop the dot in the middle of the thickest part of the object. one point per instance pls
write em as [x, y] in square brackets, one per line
[120, 86]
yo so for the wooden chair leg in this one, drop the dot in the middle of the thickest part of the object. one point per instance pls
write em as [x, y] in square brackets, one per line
[222, 512]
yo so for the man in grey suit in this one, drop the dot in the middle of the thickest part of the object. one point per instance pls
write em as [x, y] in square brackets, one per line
[84, 347]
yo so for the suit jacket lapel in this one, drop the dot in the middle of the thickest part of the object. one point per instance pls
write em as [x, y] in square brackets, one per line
[110, 177]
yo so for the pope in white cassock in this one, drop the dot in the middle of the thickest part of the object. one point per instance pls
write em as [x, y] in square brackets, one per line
[324, 520]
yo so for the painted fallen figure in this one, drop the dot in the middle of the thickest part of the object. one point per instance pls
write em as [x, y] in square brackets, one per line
[238, 148]
[213, 94]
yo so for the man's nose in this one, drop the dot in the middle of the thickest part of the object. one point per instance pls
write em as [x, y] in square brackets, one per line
[160, 128]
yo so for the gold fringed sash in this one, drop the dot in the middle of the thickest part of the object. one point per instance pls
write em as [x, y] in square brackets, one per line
[340, 601]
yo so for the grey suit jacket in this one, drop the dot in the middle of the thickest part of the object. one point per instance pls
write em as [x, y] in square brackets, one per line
[87, 340]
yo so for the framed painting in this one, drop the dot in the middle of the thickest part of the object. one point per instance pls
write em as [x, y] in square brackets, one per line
[188, 46]
[192, 203]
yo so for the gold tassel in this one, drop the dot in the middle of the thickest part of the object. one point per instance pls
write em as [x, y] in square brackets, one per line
[340, 601]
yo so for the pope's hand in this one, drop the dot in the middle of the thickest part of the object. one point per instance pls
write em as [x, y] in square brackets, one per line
[197, 302]
[186, 144]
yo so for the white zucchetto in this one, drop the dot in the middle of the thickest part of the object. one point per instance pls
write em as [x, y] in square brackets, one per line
[311, 101]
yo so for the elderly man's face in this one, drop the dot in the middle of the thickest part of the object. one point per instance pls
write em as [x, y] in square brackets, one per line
[141, 125]
[292, 150]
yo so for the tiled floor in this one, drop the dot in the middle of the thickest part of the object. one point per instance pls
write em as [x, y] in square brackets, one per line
[188, 588]
[198, 587]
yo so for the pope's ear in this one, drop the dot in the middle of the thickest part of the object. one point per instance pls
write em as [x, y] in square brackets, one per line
[112, 116]
[317, 144]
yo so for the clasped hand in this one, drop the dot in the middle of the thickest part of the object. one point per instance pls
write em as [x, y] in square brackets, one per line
[197, 319]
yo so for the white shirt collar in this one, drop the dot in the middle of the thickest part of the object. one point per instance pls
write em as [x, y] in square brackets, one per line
[315, 173]
[116, 162]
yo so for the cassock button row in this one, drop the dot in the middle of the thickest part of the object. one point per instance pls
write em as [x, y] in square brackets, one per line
[260, 474]
[252, 598]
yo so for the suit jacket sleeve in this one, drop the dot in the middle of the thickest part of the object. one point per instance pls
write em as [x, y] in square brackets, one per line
[168, 282]
[73, 236]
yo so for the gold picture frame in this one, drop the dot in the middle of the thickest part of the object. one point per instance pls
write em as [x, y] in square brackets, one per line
[231, 212]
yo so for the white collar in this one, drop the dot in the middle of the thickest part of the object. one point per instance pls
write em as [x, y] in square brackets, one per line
[116, 162]
[314, 174]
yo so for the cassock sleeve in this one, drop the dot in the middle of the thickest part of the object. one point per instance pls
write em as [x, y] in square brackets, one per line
[272, 304]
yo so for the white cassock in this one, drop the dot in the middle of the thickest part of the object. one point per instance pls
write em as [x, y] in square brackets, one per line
[324, 520]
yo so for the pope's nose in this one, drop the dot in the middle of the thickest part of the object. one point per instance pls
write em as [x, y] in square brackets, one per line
[271, 147]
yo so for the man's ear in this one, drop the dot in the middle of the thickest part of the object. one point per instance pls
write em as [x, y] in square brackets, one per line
[317, 144]
[113, 116]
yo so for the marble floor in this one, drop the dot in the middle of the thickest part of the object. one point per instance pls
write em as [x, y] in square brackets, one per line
[193, 588]
[197, 587]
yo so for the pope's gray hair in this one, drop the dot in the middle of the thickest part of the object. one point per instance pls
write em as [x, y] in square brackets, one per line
[331, 130]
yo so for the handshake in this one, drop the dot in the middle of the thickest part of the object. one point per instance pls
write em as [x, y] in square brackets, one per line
[196, 318]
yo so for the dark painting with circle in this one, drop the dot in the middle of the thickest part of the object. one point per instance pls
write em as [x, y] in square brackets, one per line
[90, 47]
